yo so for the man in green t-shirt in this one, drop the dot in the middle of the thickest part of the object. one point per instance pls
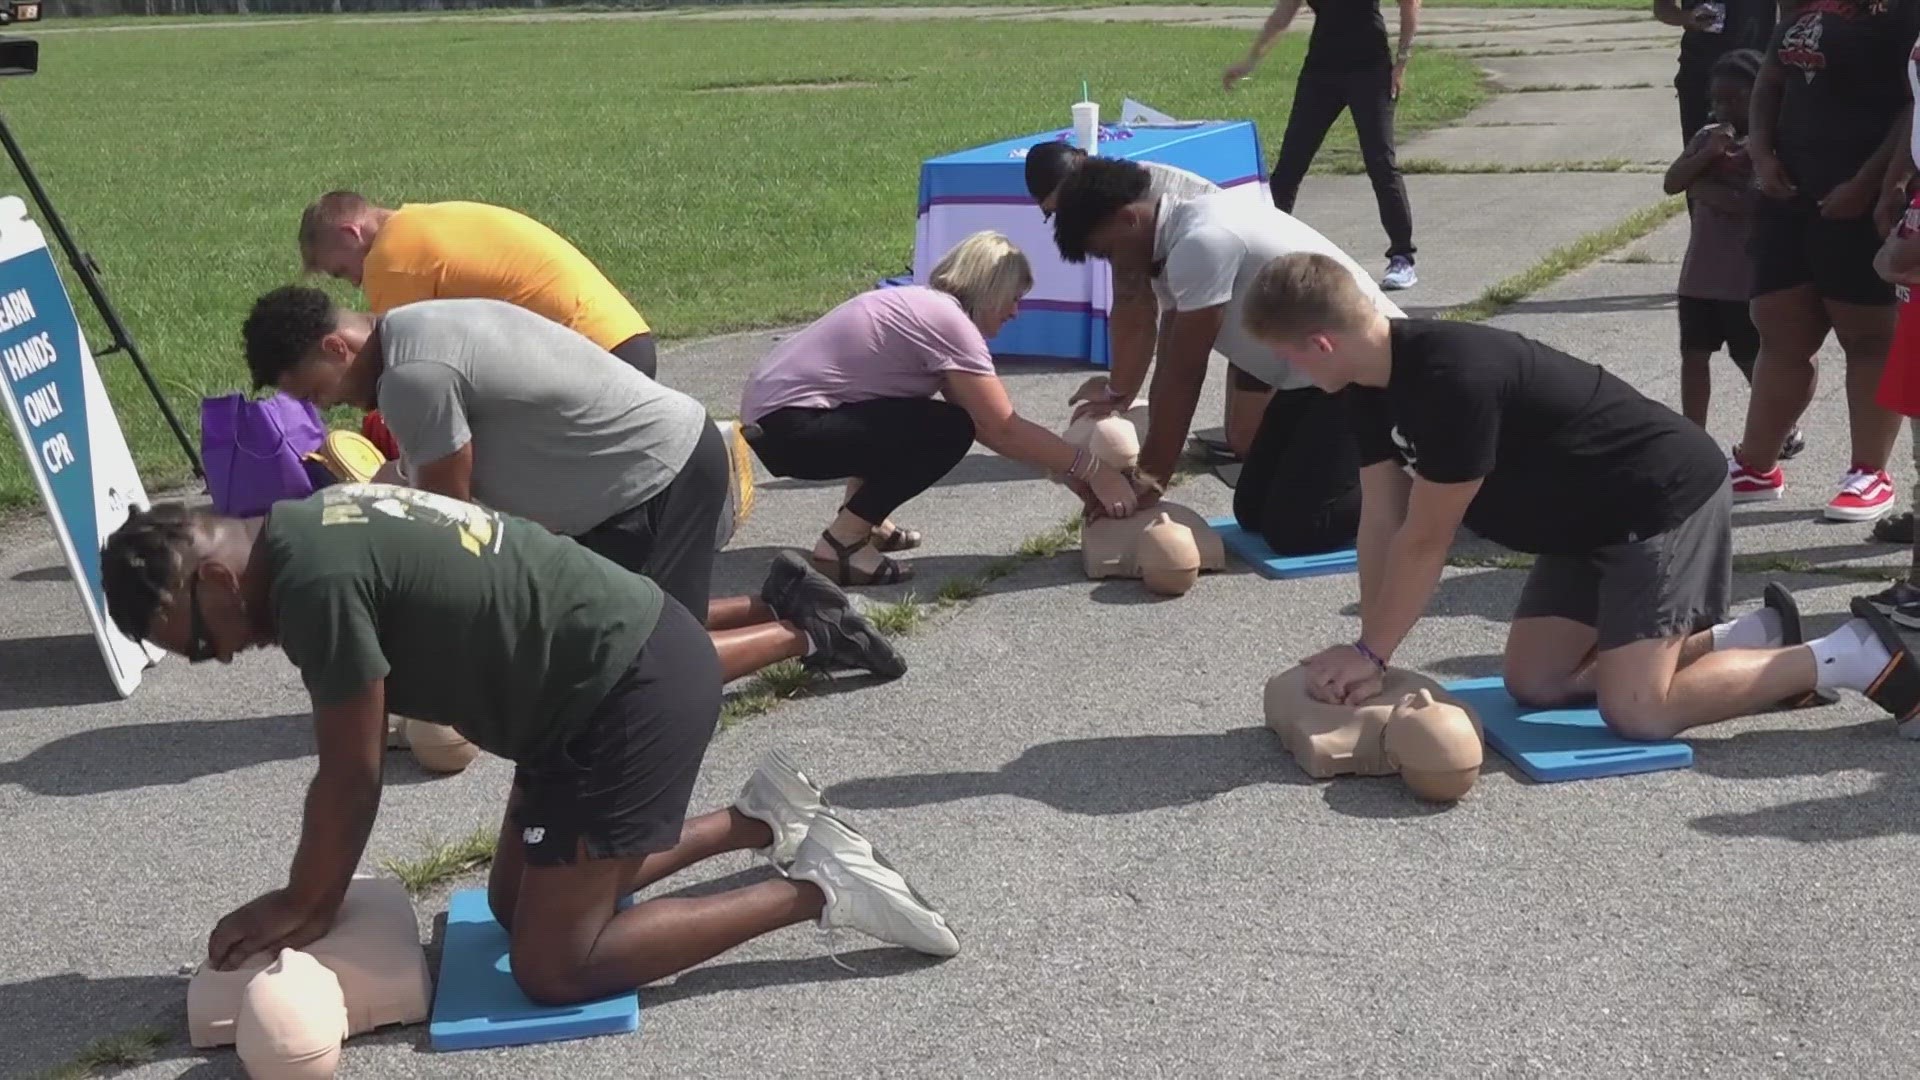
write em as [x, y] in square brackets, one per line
[599, 687]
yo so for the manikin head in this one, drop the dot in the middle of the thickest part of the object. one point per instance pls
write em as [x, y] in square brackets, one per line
[301, 343]
[1048, 165]
[1310, 311]
[182, 579]
[336, 232]
[988, 275]
[1102, 211]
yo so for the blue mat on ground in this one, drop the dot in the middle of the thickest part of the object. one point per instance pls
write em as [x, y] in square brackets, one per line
[477, 1004]
[1255, 552]
[1561, 744]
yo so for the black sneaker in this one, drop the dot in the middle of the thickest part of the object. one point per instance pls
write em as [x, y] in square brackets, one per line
[1897, 688]
[791, 584]
[1894, 597]
[841, 636]
[1776, 597]
[1795, 443]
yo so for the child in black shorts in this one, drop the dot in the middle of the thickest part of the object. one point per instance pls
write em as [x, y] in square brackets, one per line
[1716, 278]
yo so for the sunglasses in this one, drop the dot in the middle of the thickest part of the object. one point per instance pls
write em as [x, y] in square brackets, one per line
[200, 649]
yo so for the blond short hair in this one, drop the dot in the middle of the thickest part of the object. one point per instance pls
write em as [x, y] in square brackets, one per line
[985, 272]
[331, 210]
[1304, 293]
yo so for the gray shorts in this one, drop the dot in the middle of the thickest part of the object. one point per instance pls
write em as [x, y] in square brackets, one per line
[1677, 582]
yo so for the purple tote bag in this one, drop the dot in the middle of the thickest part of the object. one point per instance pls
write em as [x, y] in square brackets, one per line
[253, 450]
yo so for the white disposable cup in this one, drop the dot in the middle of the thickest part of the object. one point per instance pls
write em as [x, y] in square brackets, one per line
[1086, 125]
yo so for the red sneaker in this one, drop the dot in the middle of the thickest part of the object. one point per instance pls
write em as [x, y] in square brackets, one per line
[1864, 495]
[1750, 486]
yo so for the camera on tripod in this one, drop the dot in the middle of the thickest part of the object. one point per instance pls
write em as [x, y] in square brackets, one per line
[18, 55]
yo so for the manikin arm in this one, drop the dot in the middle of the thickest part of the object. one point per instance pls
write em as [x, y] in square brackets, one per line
[1414, 560]
[1177, 381]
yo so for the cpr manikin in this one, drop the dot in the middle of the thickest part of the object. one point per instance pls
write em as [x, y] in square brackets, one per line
[1110, 547]
[439, 748]
[1412, 727]
[373, 950]
[1168, 557]
[293, 1016]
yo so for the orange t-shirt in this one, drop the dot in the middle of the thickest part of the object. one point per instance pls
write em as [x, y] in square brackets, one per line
[459, 250]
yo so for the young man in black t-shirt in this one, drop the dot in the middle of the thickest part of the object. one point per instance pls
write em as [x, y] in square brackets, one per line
[1624, 501]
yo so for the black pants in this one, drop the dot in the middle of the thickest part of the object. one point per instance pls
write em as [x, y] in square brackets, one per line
[1300, 485]
[638, 351]
[1318, 99]
[898, 447]
[1691, 85]
[669, 538]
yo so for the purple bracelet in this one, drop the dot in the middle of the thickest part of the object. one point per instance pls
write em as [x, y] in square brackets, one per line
[1361, 648]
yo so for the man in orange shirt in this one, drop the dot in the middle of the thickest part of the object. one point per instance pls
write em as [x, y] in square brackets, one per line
[459, 250]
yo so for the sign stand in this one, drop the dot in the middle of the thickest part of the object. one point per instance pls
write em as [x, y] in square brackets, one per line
[66, 426]
[87, 270]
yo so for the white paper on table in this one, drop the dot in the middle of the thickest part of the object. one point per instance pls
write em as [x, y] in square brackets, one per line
[1139, 115]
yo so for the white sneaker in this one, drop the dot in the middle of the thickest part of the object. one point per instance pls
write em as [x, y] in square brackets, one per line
[779, 794]
[1400, 274]
[865, 894]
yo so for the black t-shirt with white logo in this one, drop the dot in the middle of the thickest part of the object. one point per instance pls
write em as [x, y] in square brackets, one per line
[1571, 458]
[1845, 63]
[1743, 24]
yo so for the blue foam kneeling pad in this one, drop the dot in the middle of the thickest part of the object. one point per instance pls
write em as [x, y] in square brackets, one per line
[477, 1004]
[1258, 555]
[1561, 744]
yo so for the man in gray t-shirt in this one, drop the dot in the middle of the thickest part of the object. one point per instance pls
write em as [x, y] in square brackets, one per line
[572, 436]
[494, 404]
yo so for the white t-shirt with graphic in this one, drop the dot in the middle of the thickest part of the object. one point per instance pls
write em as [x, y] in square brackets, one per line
[1214, 246]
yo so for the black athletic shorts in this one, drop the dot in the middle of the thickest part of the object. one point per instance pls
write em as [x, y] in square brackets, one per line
[669, 538]
[1793, 245]
[639, 352]
[1678, 582]
[619, 789]
[1708, 325]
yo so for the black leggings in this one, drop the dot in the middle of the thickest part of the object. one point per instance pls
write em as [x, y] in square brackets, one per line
[639, 352]
[1300, 485]
[898, 447]
[1318, 99]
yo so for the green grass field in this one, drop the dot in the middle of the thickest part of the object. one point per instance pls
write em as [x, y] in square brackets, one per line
[182, 159]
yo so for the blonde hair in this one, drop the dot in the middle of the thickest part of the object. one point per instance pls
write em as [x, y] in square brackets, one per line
[332, 209]
[1304, 293]
[985, 272]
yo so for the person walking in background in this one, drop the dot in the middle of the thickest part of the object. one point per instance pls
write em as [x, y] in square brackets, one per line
[1830, 107]
[1713, 28]
[1716, 277]
[1348, 67]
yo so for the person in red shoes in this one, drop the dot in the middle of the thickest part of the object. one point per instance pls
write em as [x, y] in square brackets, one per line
[1899, 263]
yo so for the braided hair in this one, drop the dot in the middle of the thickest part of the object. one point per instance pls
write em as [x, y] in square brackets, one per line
[141, 562]
[1740, 64]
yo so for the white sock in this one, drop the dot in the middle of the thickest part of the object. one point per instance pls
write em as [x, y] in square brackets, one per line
[1757, 629]
[811, 647]
[1849, 658]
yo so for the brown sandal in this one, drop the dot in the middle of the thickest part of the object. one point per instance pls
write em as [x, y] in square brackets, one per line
[840, 568]
[898, 540]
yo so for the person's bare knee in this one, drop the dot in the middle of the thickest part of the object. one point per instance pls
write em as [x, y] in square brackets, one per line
[546, 971]
[1636, 717]
[1865, 333]
[1540, 689]
[1634, 686]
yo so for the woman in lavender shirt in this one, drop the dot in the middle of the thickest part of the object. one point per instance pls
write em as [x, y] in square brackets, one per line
[853, 397]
